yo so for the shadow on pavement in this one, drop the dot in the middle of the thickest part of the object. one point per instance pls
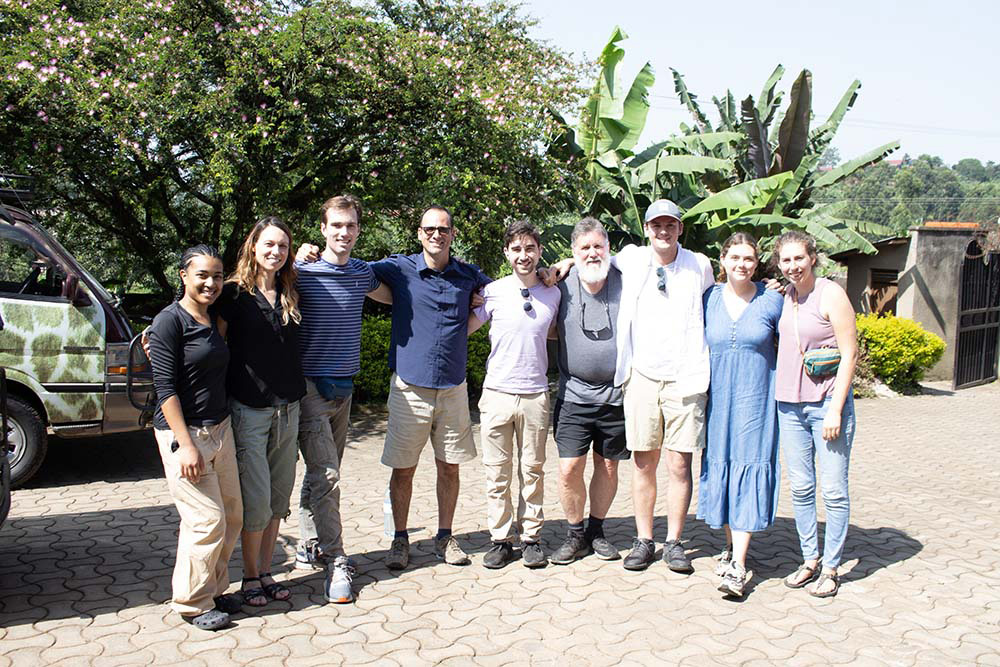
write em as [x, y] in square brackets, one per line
[89, 563]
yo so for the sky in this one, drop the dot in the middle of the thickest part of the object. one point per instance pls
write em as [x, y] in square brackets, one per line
[928, 70]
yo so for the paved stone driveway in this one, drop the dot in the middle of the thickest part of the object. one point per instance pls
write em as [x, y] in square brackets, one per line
[85, 563]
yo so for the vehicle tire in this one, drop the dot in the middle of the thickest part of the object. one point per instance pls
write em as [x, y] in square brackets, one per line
[28, 440]
[4, 490]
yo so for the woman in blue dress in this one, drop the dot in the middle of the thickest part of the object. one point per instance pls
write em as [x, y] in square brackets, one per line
[738, 488]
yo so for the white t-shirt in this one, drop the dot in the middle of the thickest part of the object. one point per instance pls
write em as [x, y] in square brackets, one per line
[665, 329]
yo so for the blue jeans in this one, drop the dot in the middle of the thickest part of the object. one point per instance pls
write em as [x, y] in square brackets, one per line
[801, 433]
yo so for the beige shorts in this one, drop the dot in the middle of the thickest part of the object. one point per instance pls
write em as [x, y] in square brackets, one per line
[417, 414]
[657, 415]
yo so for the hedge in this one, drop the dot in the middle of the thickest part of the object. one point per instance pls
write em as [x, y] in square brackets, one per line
[898, 350]
[371, 384]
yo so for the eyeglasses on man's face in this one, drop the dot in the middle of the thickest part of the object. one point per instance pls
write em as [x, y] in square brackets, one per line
[431, 231]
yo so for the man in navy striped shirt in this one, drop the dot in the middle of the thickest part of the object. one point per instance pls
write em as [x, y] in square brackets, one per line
[331, 291]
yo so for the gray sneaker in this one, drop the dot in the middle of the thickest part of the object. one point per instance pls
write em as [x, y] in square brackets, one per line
[603, 548]
[574, 548]
[447, 549]
[399, 554]
[725, 558]
[338, 581]
[734, 580]
[532, 555]
[675, 558]
[307, 556]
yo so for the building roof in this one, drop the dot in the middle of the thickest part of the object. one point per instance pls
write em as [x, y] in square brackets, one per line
[881, 244]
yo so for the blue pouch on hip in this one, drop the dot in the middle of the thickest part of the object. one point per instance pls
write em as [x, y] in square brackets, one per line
[332, 388]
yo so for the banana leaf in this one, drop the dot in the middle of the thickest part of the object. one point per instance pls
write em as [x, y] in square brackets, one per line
[759, 152]
[746, 198]
[768, 102]
[728, 112]
[635, 107]
[711, 140]
[821, 136]
[843, 171]
[793, 134]
[602, 100]
[679, 164]
[689, 100]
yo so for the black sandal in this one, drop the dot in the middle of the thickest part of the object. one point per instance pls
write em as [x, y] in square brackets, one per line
[229, 603]
[274, 590]
[803, 569]
[823, 578]
[250, 594]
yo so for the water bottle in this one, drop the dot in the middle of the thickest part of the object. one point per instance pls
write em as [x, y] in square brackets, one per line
[390, 525]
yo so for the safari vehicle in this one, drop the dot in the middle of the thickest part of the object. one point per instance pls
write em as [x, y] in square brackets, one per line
[65, 341]
[4, 463]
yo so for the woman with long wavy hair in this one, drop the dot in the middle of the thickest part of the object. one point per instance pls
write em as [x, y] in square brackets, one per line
[258, 313]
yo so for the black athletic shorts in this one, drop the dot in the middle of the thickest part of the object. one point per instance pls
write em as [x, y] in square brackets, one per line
[577, 426]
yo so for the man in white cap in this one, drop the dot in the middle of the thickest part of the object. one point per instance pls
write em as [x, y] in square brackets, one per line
[663, 368]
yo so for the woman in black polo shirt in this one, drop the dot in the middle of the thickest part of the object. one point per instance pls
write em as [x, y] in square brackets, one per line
[259, 316]
[192, 429]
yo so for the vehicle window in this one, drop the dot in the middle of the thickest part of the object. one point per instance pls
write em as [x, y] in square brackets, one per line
[26, 272]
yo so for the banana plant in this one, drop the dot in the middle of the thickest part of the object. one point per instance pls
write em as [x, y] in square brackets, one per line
[736, 175]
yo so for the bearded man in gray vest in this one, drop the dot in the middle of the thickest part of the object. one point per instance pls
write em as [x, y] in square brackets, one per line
[588, 410]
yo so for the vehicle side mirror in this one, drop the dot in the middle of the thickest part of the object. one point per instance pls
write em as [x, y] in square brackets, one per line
[76, 294]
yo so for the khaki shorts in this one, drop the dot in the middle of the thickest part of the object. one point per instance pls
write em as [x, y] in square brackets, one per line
[417, 414]
[657, 415]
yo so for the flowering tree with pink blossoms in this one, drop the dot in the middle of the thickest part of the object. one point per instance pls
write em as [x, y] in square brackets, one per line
[151, 125]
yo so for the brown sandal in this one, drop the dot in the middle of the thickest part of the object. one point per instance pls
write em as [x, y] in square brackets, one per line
[793, 580]
[823, 578]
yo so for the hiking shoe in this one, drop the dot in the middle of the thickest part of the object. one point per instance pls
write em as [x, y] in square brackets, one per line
[499, 555]
[338, 581]
[734, 580]
[675, 558]
[399, 554]
[604, 549]
[532, 555]
[575, 547]
[642, 555]
[307, 556]
[725, 558]
[447, 549]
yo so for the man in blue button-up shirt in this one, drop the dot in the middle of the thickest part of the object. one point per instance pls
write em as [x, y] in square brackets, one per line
[428, 396]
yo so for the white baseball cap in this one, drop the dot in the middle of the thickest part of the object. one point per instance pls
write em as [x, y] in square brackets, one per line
[661, 208]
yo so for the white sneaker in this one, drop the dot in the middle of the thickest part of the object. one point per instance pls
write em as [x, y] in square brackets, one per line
[338, 581]
[735, 579]
[307, 556]
[724, 559]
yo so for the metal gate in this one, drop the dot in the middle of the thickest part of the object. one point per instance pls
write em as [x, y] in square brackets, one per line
[978, 319]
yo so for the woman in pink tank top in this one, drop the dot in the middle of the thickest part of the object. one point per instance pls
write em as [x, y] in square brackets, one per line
[815, 413]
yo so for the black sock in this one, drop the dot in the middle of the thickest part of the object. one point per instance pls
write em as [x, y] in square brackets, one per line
[595, 527]
[402, 533]
[442, 532]
[575, 529]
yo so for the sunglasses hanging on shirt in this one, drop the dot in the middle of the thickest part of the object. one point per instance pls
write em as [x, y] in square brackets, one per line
[526, 293]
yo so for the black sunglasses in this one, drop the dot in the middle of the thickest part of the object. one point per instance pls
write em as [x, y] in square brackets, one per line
[527, 299]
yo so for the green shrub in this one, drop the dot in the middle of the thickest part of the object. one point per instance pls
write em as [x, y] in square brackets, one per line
[899, 350]
[372, 381]
[371, 384]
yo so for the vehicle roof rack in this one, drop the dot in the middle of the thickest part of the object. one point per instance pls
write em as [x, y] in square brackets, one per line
[16, 189]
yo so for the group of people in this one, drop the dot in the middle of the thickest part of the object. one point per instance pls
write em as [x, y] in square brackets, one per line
[653, 355]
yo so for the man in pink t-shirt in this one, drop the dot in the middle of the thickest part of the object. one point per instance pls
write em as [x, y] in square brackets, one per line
[514, 407]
